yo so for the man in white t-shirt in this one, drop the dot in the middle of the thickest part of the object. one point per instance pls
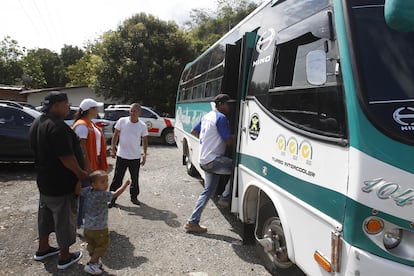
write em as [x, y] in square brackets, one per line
[214, 133]
[129, 131]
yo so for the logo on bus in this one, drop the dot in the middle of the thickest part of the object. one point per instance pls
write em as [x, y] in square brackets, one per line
[265, 40]
[281, 144]
[404, 116]
[254, 127]
[305, 150]
[302, 150]
[263, 43]
[296, 151]
[292, 148]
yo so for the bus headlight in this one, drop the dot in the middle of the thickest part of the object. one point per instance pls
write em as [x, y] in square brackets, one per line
[392, 238]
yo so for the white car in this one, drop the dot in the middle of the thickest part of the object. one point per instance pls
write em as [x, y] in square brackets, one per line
[158, 126]
[69, 120]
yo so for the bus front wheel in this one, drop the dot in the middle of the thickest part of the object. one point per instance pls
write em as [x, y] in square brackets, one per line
[271, 243]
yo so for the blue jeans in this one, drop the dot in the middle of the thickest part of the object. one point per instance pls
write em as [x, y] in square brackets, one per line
[222, 165]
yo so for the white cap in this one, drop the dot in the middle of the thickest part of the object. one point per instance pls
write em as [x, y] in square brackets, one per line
[86, 104]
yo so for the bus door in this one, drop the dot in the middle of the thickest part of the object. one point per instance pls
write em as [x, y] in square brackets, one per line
[236, 72]
[230, 86]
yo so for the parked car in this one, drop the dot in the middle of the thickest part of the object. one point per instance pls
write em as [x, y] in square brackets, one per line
[158, 126]
[15, 122]
[17, 104]
[69, 119]
[27, 105]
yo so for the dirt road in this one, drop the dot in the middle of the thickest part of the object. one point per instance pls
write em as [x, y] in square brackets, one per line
[145, 240]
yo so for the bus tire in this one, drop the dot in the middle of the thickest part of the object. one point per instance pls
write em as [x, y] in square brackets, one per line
[248, 234]
[191, 170]
[269, 229]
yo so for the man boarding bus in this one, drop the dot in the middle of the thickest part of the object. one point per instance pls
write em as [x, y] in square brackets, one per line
[324, 120]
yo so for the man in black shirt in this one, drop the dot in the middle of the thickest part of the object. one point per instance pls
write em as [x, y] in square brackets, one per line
[58, 159]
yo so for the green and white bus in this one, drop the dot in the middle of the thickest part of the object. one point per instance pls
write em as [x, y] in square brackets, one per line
[324, 161]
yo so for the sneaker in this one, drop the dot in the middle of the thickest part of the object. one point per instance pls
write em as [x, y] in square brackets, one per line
[43, 255]
[196, 228]
[135, 201]
[76, 256]
[93, 268]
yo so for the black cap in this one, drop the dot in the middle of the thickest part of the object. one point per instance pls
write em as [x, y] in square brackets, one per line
[52, 98]
[223, 98]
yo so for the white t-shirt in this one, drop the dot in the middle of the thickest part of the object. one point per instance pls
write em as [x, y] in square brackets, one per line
[214, 132]
[82, 132]
[129, 146]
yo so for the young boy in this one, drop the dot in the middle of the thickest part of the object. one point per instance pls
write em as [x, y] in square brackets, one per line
[96, 218]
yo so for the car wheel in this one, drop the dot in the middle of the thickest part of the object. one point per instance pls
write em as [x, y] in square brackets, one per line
[168, 137]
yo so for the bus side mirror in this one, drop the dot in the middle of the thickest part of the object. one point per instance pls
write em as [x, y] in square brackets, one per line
[399, 15]
[316, 67]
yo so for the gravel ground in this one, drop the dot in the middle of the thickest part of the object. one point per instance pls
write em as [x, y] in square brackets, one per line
[145, 240]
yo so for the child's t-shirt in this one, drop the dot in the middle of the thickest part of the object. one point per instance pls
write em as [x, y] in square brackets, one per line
[96, 208]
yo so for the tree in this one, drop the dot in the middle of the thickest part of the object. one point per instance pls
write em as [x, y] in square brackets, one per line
[70, 55]
[142, 61]
[84, 71]
[45, 68]
[32, 68]
[36, 68]
[206, 27]
[11, 70]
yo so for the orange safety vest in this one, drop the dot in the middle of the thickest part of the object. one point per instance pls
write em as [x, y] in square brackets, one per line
[96, 164]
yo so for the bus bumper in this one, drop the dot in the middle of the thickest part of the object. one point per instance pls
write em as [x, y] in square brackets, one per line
[364, 263]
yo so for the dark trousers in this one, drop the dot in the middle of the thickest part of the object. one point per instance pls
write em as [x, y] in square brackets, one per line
[121, 166]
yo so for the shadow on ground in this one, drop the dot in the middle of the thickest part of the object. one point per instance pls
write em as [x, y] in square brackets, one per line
[121, 253]
[150, 213]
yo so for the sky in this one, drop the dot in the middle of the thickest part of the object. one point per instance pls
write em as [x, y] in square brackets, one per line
[52, 23]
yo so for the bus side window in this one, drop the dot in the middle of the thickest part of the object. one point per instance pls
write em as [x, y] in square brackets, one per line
[187, 94]
[181, 95]
[213, 88]
[290, 60]
[198, 92]
[316, 109]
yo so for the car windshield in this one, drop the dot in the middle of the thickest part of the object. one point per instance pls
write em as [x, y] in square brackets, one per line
[114, 115]
[384, 60]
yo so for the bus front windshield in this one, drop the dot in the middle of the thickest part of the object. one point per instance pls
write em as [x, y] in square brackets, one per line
[384, 60]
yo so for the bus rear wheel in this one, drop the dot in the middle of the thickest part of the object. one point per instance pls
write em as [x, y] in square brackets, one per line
[191, 170]
[271, 244]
